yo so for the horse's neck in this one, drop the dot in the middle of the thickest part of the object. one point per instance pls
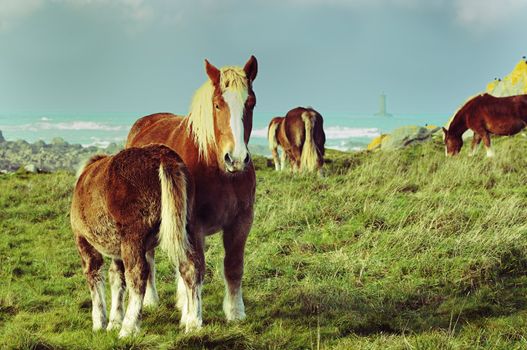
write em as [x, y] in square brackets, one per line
[190, 150]
[458, 125]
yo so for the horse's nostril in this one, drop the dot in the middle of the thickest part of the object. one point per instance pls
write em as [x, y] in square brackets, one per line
[247, 159]
[228, 158]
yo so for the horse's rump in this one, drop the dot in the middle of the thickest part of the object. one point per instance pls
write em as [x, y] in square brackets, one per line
[302, 136]
[125, 190]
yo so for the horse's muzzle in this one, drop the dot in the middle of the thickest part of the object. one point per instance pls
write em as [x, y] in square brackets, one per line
[233, 165]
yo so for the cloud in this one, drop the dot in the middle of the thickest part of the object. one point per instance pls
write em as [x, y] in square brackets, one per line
[486, 14]
[480, 15]
[13, 11]
[136, 10]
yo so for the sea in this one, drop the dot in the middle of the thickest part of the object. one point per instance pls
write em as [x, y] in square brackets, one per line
[345, 132]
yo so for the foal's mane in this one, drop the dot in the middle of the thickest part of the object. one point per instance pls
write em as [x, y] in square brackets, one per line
[200, 119]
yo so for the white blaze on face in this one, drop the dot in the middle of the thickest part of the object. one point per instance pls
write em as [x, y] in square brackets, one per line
[236, 102]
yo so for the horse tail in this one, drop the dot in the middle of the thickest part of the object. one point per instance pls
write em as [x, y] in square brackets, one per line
[271, 135]
[173, 236]
[309, 157]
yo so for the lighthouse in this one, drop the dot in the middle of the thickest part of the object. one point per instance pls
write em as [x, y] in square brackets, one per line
[382, 107]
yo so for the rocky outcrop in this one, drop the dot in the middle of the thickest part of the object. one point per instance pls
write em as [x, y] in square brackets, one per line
[403, 137]
[42, 157]
[515, 83]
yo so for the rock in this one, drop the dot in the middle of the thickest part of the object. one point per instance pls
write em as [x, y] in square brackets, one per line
[39, 144]
[515, 83]
[21, 142]
[58, 141]
[42, 157]
[112, 148]
[2, 139]
[31, 168]
[376, 143]
[403, 137]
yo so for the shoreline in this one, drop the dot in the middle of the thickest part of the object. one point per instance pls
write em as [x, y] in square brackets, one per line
[42, 157]
[59, 154]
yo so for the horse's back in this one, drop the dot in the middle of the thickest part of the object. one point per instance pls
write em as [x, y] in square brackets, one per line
[293, 127]
[496, 115]
[140, 133]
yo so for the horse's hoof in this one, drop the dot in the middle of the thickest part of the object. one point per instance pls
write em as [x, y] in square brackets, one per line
[99, 327]
[113, 325]
[193, 325]
[150, 302]
[126, 332]
[239, 316]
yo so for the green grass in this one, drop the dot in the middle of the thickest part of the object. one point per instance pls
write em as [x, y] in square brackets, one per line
[391, 250]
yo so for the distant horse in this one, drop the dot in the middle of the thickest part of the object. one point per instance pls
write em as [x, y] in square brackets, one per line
[212, 141]
[119, 205]
[486, 115]
[301, 135]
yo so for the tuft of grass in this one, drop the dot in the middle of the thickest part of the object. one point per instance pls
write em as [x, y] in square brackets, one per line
[390, 250]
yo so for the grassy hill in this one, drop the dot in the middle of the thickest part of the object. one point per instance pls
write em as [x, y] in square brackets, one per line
[397, 250]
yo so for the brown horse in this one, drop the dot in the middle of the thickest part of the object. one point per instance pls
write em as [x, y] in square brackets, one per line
[212, 141]
[119, 205]
[486, 115]
[301, 135]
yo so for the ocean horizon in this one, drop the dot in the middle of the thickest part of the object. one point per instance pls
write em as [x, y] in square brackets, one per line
[345, 132]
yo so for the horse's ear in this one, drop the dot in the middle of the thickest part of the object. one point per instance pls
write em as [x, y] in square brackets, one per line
[213, 73]
[251, 68]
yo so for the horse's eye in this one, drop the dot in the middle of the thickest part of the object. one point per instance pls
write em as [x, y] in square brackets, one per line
[217, 106]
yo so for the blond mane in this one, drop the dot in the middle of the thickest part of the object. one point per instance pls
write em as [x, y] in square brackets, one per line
[200, 123]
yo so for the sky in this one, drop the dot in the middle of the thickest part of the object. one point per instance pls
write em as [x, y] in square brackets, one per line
[139, 56]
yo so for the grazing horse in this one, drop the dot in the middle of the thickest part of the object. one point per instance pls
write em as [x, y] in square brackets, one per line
[119, 205]
[486, 115]
[212, 141]
[301, 135]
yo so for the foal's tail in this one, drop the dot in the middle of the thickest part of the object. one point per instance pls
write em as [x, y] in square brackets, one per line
[309, 157]
[271, 135]
[173, 237]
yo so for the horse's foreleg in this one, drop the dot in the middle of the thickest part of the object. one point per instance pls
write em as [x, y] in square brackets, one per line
[476, 140]
[151, 297]
[92, 262]
[190, 281]
[136, 274]
[234, 238]
[486, 142]
[118, 287]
